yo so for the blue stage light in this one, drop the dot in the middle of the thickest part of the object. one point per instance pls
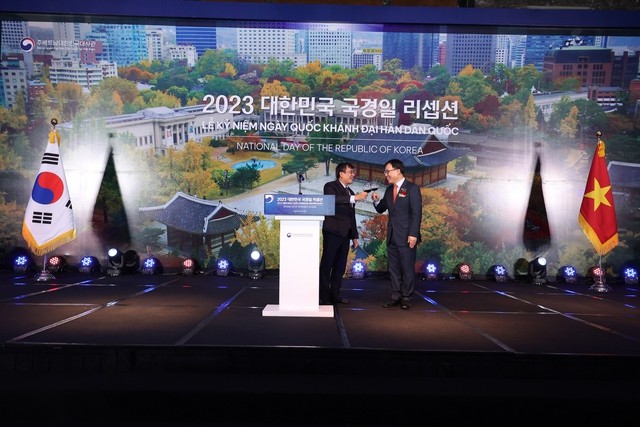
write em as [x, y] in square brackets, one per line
[23, 263]
[223, 266]
[431, 271]
[151, 265]
[89, 264]
[358, 269]
[630, 275]
[568, 274]
[498, 272]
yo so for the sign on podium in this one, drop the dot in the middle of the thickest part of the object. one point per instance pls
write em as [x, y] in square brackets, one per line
[300, 219]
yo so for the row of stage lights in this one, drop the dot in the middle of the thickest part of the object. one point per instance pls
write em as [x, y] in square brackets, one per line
[129, 262]
[536, 272]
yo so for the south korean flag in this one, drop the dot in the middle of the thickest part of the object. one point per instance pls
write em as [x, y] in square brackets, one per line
[48, 221]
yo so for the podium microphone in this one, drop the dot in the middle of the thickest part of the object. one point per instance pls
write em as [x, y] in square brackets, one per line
[300, 180]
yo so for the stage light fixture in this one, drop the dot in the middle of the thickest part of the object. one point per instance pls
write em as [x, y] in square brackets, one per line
[630, 275]
[131, 262]
[498, 272]
[119, 262]
[521, 269]
[89, 264]
[597, 274]
[189, 266]
[115, 262]
[56, 264]
[431, 271]
[568, 274]
[358, 269]
[223, 266]
[464, 271]
[23, 263]
[151, 265]
[256, 264]
[538, 271]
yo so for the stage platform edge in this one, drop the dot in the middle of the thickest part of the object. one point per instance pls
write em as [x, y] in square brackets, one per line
[275, 310]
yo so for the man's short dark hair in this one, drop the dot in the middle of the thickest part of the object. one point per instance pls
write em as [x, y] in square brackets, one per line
[396, 164]
[342, 167]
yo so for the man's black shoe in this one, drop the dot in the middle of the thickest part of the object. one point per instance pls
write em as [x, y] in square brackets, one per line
[391, 303]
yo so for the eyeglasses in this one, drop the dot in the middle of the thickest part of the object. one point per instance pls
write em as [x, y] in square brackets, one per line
[349, 172]
[387, 171]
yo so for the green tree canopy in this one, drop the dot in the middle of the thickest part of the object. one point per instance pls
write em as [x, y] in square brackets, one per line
[219, 86]
[438, 80]
[279, 70]
[528, 77]
[177, 76]
[590, 114]
[244, 177]
[214, 62]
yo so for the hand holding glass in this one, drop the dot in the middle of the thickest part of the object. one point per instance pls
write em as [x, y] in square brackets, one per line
[370, 186]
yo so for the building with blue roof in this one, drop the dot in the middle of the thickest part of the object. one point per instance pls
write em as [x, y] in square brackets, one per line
[193, 224]
[425, 156]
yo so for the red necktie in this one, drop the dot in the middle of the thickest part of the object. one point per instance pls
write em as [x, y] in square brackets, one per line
[395, 192]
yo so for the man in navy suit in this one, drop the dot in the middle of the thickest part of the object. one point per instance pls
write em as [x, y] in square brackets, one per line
[337, 231]
[404, 202]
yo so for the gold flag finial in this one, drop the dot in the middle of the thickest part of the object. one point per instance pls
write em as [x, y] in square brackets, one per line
[54, 136]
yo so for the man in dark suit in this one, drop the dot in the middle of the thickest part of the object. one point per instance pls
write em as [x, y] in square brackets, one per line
[404, 202]
[337, 231]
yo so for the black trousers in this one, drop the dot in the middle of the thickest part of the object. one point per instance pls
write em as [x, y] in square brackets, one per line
[402, 260]
[332, 265]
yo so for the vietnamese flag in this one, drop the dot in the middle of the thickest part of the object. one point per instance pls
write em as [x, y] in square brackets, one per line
[597, 216]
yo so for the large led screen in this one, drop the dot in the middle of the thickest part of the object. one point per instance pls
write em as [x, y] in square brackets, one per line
[174, 123]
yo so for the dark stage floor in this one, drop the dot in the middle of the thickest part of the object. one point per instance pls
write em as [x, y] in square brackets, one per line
[195, 350]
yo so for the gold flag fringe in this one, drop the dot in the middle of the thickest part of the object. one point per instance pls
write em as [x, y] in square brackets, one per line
[52, 244]
[600, 247]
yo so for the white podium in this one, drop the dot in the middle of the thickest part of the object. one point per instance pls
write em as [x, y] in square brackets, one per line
[299, 269]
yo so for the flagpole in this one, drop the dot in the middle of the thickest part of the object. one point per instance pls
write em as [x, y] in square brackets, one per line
[44, 275]
[600, 280]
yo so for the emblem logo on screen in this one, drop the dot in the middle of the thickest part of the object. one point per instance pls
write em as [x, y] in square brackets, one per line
[269, 198]
[27, 44]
